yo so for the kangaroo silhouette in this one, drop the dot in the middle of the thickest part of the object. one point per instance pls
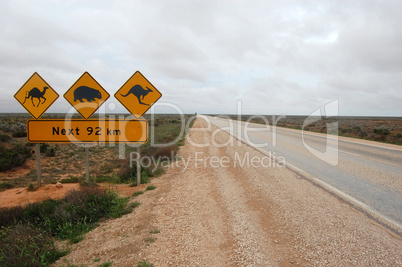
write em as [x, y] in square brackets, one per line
[139, 92]
[36, 93]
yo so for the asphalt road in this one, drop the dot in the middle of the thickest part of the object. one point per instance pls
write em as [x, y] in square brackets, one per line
[370, 172]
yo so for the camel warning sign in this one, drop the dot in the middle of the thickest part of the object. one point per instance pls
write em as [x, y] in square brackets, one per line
[36, 95]
[137, 95]
[86, 95]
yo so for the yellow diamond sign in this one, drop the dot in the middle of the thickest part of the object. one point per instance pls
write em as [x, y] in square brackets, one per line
[86, 95]
[36, 95]
[137, 95]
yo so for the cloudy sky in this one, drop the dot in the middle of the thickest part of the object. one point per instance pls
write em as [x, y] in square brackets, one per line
[276, 57]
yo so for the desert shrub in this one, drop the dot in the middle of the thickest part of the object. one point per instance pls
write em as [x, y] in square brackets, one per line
[13, 157]
[29, 144]
[26, 245]
[381, 130]
[128, 174]
[166, 152]
[32, 187]
[51, 152]
[151, 187]
[10, 216]
[48, 150]
[345, 130]
[44, 147]
[70, 180]
[4, 138]
[138, 193]
[5, 185]
[144, 264]
[70, 217]
[108, 179]
[19, 134]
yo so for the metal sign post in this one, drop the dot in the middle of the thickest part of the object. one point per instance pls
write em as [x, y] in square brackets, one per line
[38, 163]
[87, 163]
[139, 165]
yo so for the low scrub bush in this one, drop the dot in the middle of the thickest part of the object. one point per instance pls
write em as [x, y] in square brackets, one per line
[144, 264]
[13, 157]
[151, 187]
[68, 218]
[381, 131]
[10, 216]
[26, 245]
[166, 153]
[32, 187]
[129, 175]
[108, 179]
[19, 134]
[48, 150]
[5, 186]
[4, 138]
[138, 193]
[70, 180]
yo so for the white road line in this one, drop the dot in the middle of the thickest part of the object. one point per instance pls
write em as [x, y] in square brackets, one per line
[364, 208]
[353, 154]
[354, 141]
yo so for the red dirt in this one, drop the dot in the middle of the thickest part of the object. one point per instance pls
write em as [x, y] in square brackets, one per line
[21, 196]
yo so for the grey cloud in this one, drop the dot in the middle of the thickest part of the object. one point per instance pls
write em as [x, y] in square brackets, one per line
[276, 56]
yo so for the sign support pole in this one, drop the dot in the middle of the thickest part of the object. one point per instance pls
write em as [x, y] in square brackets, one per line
[38, 163]
[139, 166]
[87, 163]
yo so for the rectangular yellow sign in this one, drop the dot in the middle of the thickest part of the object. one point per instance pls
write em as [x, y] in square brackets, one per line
[86, 131]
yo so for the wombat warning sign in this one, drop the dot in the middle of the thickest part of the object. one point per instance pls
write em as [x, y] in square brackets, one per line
[86, 95]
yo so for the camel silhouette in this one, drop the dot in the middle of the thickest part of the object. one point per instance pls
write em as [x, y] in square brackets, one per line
[36, 93]
[139, 92]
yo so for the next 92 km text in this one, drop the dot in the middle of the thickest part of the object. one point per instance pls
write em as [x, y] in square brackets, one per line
[90, 130]
[81, 131]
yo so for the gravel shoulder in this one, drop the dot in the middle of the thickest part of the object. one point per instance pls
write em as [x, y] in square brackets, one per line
[230, 206]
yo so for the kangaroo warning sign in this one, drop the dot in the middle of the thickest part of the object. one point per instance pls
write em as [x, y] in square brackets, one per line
[86, 95]
[36, 95]
[137, 95]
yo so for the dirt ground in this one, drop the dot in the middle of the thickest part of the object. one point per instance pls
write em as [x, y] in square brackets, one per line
[22, 196]
[201, 215]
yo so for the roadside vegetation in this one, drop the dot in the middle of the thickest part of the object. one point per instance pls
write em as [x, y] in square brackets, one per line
[65, 163]
[388, 130]
[28, 234]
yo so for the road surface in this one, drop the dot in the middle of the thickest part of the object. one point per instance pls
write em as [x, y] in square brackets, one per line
[370, 172]
[220, 205]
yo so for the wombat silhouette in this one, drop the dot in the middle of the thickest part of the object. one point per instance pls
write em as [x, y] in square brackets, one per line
[139, 92]
[85, 92]
[36, 93]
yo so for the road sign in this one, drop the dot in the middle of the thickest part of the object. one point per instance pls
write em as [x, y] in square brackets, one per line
[36, 95]
[85, 131]
[86, 95]
[137, 95]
